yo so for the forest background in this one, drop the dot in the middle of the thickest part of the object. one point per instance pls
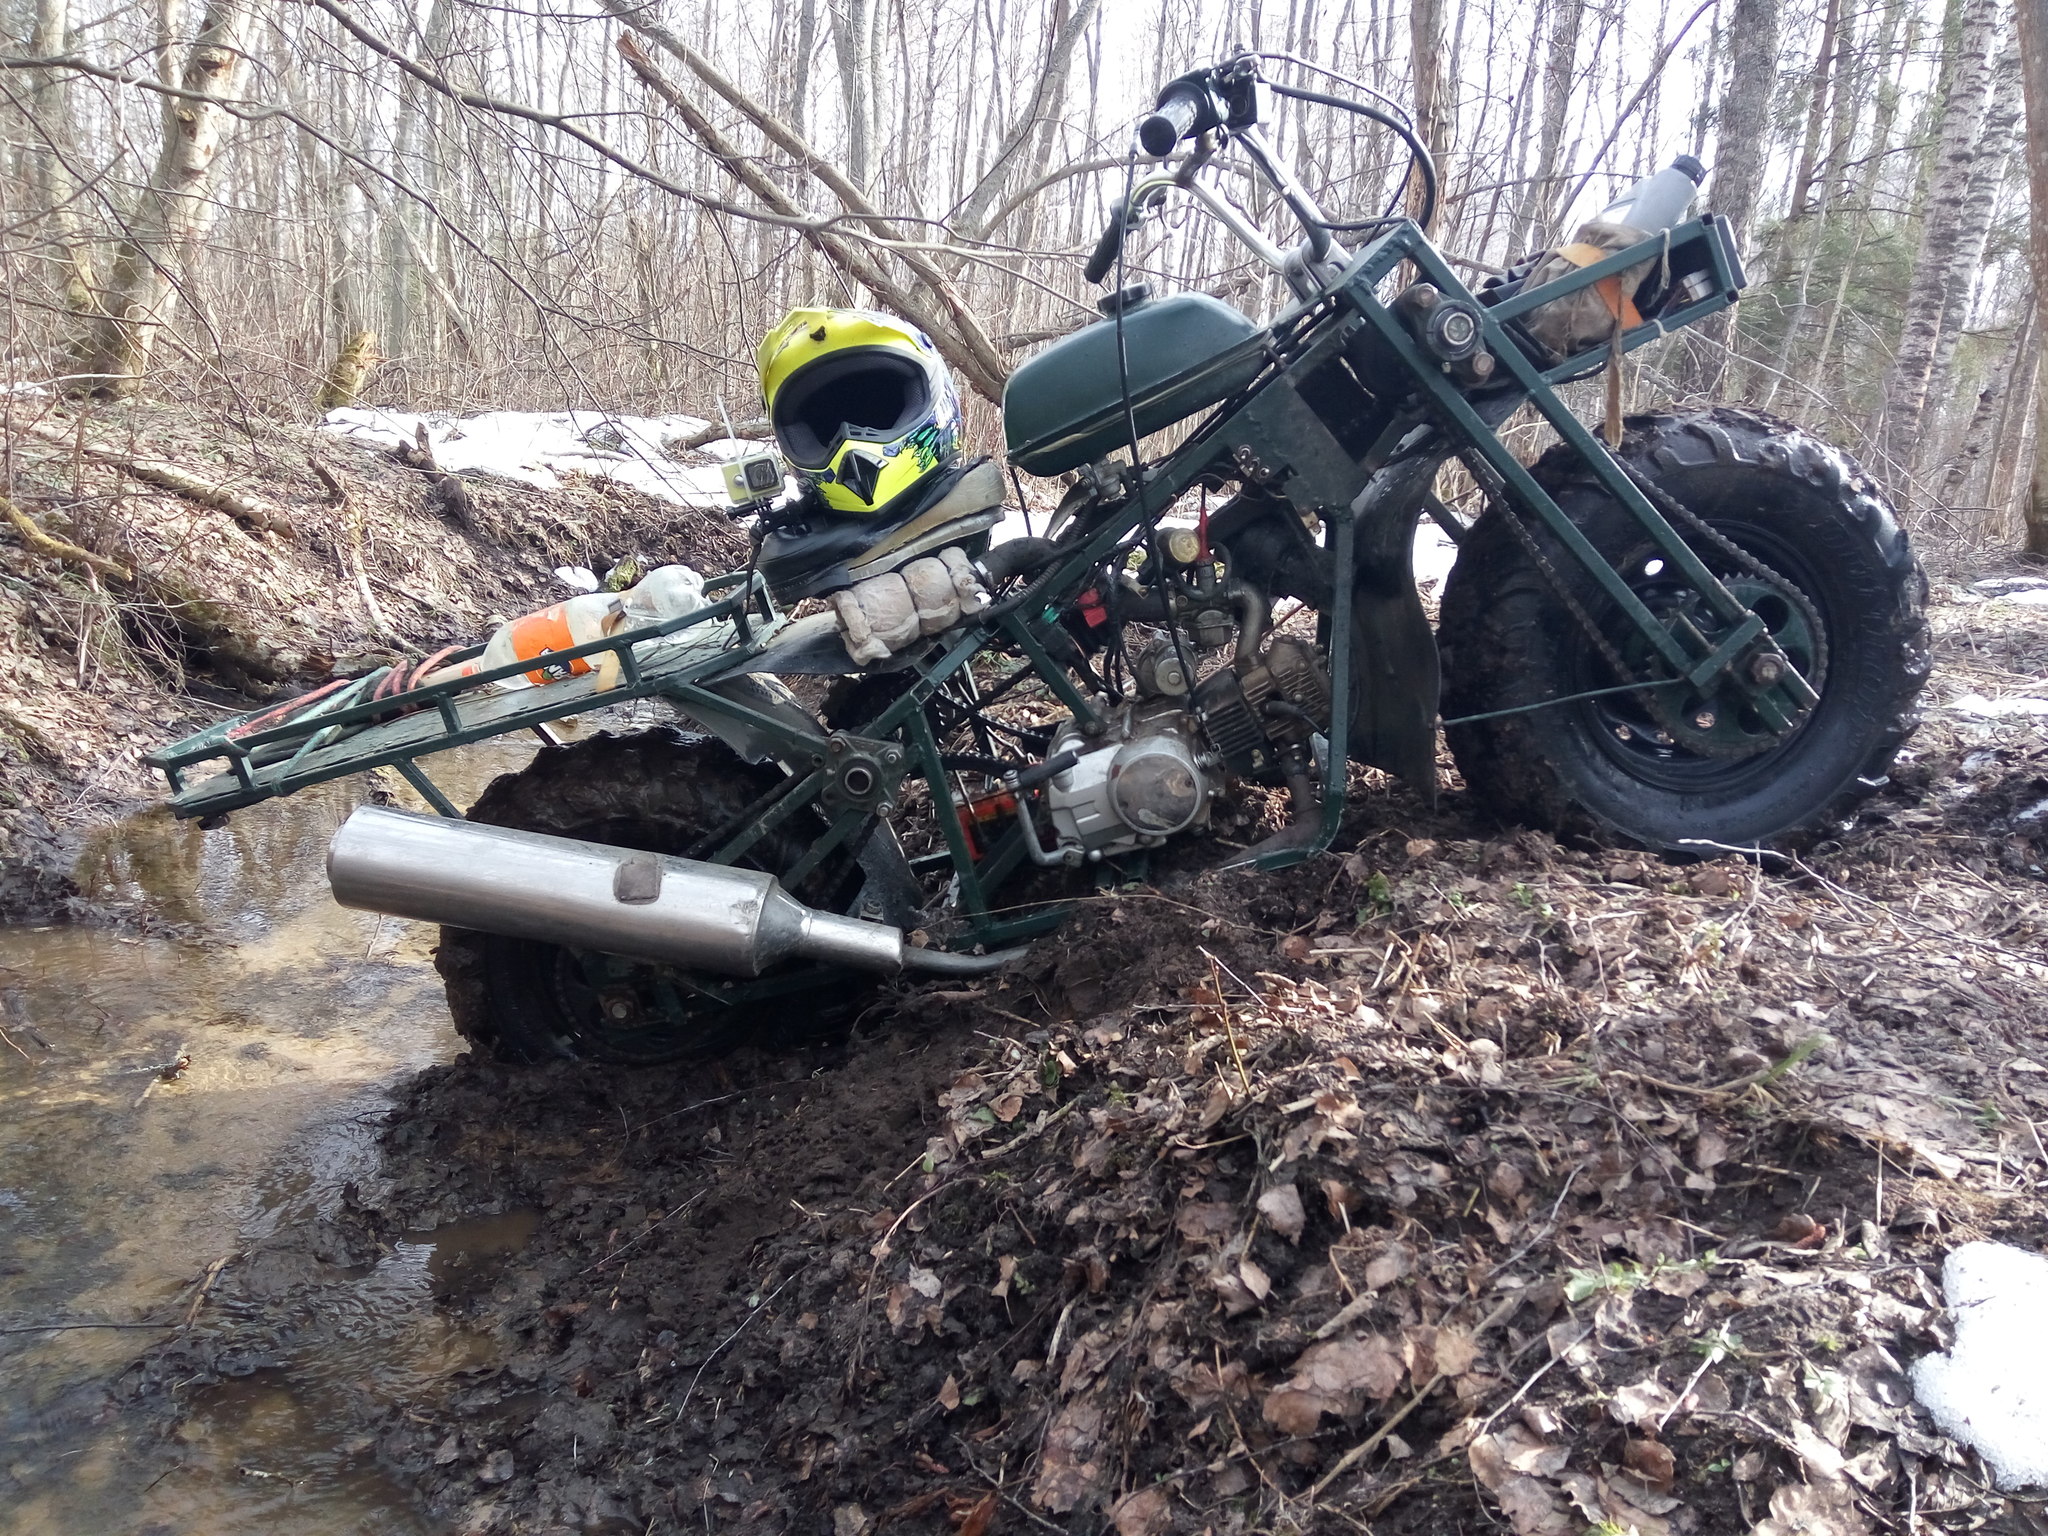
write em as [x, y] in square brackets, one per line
[273, 206]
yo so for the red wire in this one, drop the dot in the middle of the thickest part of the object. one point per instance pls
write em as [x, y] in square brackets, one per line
[288, 708]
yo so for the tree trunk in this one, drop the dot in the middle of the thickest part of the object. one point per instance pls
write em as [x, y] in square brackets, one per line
[1816, 112]
[57, 187]
[1984, 420]
[853, 38]
[1741, 150]
[2033, 32]
[1943, 240]
[1432, 118]
[800, 71]
[1035, 115]
[1987, 180]
[175, 209]
[1535, 218]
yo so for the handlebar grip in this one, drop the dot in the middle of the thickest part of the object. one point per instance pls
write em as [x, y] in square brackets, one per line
[1106, 249]
[1174, 119]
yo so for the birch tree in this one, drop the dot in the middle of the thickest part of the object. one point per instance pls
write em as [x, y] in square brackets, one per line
[1944, 240]
[175, 209]
[2033, 38]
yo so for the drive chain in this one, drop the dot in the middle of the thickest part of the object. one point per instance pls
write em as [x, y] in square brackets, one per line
[1679, 514]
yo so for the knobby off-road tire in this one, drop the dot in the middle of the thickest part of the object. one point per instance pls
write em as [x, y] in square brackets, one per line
[1602, 766]
[656, 791]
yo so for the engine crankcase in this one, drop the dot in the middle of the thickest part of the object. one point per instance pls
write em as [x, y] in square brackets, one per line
[1146, 779]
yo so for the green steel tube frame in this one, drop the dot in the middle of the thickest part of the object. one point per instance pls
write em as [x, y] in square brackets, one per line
[1019, 620]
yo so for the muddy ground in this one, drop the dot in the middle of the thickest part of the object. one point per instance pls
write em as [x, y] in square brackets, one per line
[290, 557]
[1462, 1181]
[1458, 1181]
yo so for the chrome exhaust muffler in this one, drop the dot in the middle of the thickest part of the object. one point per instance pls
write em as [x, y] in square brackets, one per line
[528, 885]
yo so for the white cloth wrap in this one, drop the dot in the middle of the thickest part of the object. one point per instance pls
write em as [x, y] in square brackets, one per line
[880, 616]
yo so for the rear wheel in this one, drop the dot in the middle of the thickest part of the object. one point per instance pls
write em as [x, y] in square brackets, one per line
[1822, 561]
[658, 792]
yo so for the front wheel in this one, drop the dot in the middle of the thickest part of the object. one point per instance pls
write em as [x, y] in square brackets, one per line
[1822, 560]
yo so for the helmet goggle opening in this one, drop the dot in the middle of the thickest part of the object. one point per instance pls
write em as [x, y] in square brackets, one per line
[868, 395]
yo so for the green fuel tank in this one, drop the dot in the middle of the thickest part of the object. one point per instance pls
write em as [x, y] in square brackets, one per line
[1064, 408]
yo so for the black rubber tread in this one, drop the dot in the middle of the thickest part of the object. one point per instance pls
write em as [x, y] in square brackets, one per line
[657, 791]
[1506, 639]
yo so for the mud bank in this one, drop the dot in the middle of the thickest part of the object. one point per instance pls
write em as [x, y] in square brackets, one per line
[315, 556]
[1463, 1180]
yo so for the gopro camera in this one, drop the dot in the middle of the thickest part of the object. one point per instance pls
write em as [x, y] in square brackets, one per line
[752, 478]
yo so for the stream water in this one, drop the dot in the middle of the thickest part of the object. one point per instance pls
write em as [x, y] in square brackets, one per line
[121, 1191]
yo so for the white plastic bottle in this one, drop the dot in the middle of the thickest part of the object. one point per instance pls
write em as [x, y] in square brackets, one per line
[1656, 202]
[576, 621]
[666, 592]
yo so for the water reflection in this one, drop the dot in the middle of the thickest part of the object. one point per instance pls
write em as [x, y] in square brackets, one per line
[119, 1190]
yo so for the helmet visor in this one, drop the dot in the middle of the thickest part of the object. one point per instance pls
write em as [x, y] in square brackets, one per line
[866, 394]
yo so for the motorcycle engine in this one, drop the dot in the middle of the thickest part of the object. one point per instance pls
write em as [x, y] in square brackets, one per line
[1262, 712]
[1145, 779]
[1155, 771]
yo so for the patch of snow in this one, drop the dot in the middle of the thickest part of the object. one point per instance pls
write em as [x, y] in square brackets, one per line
[2010, 584]
[2031, 597]
[537, 448]
[1435, 554]
[1991, 1390]
[2033, 812]
[1995, 709]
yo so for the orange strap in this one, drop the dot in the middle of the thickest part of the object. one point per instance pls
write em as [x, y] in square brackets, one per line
[1620, 305]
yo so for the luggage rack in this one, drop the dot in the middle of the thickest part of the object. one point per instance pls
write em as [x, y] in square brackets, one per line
[356, 733]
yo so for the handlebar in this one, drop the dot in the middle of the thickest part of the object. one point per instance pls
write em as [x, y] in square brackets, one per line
[1223, 103]
[1106, 249]
[1178, 114]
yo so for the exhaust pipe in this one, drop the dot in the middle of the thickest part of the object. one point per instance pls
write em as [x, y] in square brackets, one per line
[528, 885]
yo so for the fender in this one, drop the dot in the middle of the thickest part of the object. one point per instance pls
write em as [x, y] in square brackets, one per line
[1395, 678]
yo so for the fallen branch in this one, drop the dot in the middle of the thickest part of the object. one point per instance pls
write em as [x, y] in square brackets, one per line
[755, 428]
[42, 543]
[165, 475]
[1372, 1442]
[351, 548]
[448, 493]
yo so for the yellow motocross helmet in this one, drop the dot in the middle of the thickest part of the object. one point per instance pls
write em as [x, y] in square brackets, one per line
[862, 405]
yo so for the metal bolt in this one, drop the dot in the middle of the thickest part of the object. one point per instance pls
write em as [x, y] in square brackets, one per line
[1766, 670]
[1704, 720]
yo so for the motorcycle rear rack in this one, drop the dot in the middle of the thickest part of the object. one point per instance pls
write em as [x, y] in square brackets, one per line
[393, 732]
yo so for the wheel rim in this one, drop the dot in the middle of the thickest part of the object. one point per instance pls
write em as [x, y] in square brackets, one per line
[1684, 741]
[628, 1010]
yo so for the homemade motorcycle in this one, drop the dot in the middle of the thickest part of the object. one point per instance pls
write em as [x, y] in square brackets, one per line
[1695, 631]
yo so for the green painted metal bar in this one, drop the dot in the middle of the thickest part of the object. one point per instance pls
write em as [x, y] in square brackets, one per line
[1726, 655]
[946, 809]
[801, 793]
[1342, 522]
[1055, 676]
[844, 825]
[416, 776]
[799, 746]
[1480, 442]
